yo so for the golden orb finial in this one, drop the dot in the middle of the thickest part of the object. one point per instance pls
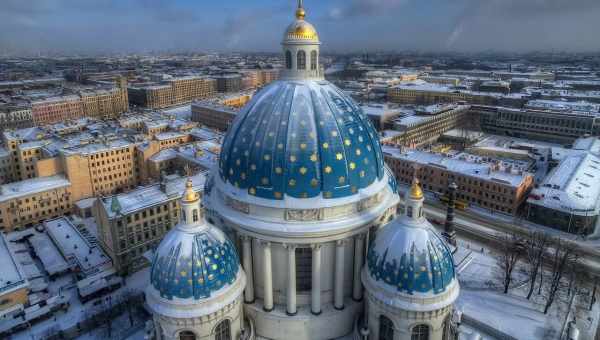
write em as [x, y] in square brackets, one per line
[300, 12]
[416, 193]
[189, 195]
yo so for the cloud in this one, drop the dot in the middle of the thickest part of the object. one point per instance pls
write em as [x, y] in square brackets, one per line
[354, 8]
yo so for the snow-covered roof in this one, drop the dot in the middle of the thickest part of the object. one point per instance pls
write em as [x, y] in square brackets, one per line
[32, 186]
[572, 186]
[12, 277]
[465, 164]
[75, 248]
[98, 147]
[560, 105]
[149, 196]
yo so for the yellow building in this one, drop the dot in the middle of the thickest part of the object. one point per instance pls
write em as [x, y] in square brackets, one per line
[172, 92]
[29, 202]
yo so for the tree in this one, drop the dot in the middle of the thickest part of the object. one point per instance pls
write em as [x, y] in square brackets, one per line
[563, 258]
[535, 249]
[511, 248]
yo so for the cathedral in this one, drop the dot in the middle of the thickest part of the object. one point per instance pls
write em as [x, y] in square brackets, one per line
[298, 235]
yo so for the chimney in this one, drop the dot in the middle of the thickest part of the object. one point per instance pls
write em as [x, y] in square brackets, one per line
[449, 232]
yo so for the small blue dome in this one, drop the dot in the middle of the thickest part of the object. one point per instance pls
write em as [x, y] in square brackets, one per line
[301, 139]
[194, 265]
[411, 259]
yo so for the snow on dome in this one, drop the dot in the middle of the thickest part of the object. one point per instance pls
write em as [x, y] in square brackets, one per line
[409, 257]
[194, 263]
[303, 139]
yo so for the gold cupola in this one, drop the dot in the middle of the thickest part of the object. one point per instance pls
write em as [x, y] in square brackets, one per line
[416, 193]
[301, 30]
[189, 195]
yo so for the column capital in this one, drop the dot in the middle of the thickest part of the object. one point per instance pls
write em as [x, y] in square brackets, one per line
[245, 238]
[341, 243]
[316, 246]
[361, 236]
[290, 246]
[265, 243]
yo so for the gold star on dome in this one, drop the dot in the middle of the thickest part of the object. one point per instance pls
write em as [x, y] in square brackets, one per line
[339, 156]
[327, 169]
[347, 142]
[352, 166]
[342, 180]
[267, 157]
[253, 167]
[358, 152]
[238, 162]
[327, 194]
[243, 175]
[292, 158]
[313, 157]
[292, 182]
[252, 191]
[303, 170]
[264, 181]
[303, 146]
[325, 145]
[278, 170]
[277, 195]
[334, 133]
[280, 146]
[314, 182]
[312, 135]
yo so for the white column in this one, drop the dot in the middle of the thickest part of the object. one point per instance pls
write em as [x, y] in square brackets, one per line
[315, 294]
[247, 254]
[291, 288]
[359, 250]
[268, 277]
[338, 294]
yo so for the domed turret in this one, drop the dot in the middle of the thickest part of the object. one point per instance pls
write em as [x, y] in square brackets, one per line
[194, 267]
[410, 270]
[301, 48]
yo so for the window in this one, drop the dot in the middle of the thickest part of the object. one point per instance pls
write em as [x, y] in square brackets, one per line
[420, 332]
[386, 328]
[304, 269]
[409, 211]
[288, 60]
[313, 60]
[223, 331]
[195, 215]
[302, 60]
[187, 335]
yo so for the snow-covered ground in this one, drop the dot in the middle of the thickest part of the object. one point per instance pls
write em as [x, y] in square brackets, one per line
[481, 298]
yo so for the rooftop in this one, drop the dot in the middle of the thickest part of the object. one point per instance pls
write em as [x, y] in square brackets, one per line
[32, 186]
[12, 277]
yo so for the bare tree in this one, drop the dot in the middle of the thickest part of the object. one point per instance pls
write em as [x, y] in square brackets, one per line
[534, 252]
[511, 251]
[563, 258]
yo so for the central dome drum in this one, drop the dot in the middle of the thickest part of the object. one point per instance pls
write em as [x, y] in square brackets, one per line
[302, 139]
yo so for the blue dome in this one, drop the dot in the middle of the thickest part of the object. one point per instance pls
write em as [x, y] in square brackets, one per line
[411, 259]
[193, 265]
[301, 139]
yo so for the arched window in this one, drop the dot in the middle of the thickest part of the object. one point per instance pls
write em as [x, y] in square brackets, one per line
[195, 215]
[187, 335]
[288, 60]
[302, 60]
[409, 211]
[313, 60]
[223, 331]
[386, 328]
[183, 215]
[420, 332]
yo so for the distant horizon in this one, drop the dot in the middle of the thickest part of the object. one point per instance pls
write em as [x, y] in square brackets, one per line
[101, 27]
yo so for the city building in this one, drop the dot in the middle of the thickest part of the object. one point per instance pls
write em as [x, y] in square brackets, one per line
[546, 125]
[427, 125]
[172, 92]
[196, 281]
[496, 185]
[229, 82]
[15, 117]
[29, 202]
[130, 224]
[97, 103]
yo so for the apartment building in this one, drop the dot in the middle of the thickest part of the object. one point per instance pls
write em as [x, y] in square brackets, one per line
[15, 117]
[418, 129]
[130, 224]
[100, 104]
[496, 186]
[29, 202]
[172, 92]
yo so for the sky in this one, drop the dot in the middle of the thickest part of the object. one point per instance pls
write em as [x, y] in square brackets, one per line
[126, 26]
